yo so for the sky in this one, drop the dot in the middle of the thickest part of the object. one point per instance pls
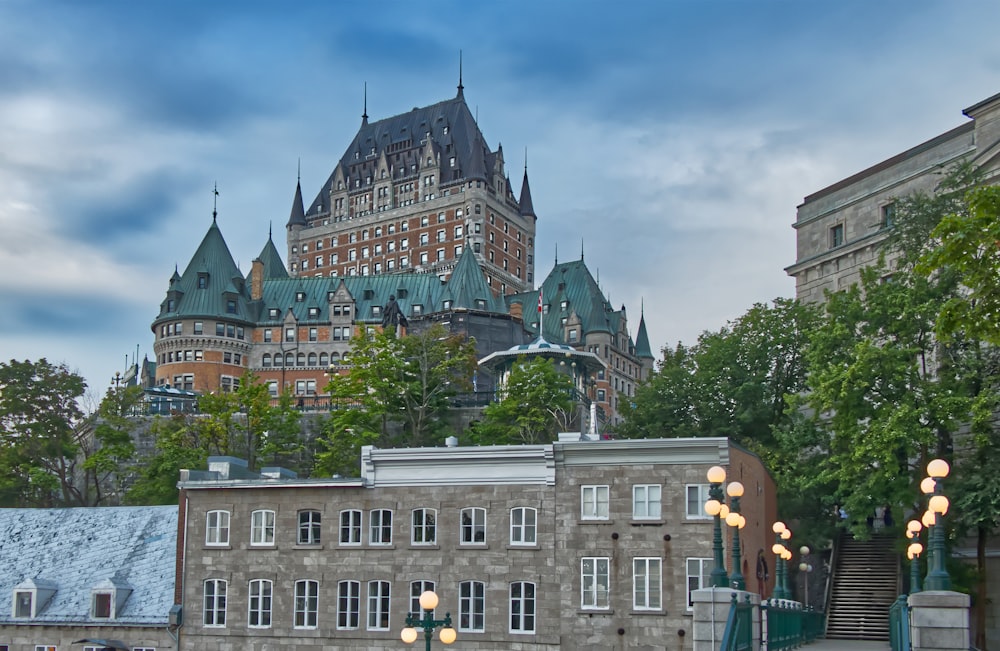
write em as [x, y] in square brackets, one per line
[670, 141]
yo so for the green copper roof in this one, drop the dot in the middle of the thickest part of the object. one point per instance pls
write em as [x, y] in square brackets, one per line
[211, 285]
[273, 266]
[466, 287]
[642, 349]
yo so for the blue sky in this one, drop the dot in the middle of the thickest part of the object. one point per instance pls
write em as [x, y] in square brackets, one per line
[674, 139]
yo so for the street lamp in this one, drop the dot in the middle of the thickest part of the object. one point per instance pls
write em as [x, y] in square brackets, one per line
[428, 602]
[737, 522]
[805, 568]
[913, 552]
[779, 564]
[715, 507]
[937, 577]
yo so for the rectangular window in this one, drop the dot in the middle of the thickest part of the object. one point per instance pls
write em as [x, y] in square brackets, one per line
[217, 528]
[306, 604]
[259, 607]
[417, 588]
[424, 530]
[836, 235]
[594, 578]
[646, 502]
[199, 327]
[647, 584]
[472, 606]
[888, 215]
[473, 526]
[102, 605]
[309, 527]
[380, 527]
[41, 647]
[522, 526]
[698, 576]
[220, 329]
[696, 496]
[22, 604]
[594, 502]
[348, 605]
[215, 602]
[262, 527]
[378, 605]
[522, 607]
[350, 527]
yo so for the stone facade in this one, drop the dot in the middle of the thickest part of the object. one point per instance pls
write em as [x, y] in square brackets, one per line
[579, 563]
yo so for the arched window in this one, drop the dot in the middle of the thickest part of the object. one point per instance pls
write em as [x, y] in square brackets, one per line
[300, 359]
[334, 358]
[289, 359]
[266, 361]
[324, 359]
[312, 359]
[277, 359]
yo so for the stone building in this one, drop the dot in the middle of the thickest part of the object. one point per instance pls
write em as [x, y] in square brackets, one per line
[572, 545]
[88, 578]
[839, 229]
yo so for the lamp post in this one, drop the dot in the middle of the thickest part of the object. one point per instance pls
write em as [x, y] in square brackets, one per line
[779, 563]
[714, 507]
[913, 551]
[117, 379]
[937, 576]
[737, 522]
[805, 568]
[428, 602]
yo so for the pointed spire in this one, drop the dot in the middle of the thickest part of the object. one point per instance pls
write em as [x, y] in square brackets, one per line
[642, 348]
[581, 249]
[557, 252]
[270, 227]
[525, 206]
[215, 202]
[298, 214]
[364, 114]
[461, 88]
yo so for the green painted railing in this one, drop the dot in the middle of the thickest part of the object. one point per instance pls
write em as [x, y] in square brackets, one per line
[788, 625]
[739, 627]
[899, 624]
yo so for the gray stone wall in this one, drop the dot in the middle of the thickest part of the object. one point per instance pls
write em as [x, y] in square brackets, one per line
[25, 638]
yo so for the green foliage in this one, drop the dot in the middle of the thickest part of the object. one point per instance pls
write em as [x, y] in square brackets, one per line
[537, 403]
[177, 447]
[41, 426]
[108, 462]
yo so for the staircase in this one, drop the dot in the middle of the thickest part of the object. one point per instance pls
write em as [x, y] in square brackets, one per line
[865, 582]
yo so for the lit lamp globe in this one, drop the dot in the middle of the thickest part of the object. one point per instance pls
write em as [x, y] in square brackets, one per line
[786, 534]
[408, 635]
[915, 549]
[927, 485]
[938, 469]
[913, 527]
[428, 600]
[716, 475]
[743, 521]
[723, 511]
[938, 504]
[778, 548]
[787, 555]
[733, 519]
[734, 489]
[928, 518]
[447, 635]
[778, 527]
[712, 507]
[804, 550]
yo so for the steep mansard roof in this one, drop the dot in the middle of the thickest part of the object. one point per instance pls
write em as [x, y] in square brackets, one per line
[210, 280]
[75, 550]
[573, 283]
[452, 128]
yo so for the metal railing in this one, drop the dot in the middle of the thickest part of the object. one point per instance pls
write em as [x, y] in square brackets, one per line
[788, 625]
[739, 626]
[899, 624]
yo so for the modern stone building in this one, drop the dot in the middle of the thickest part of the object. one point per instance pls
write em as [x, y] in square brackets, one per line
[839, 229]
[572, 545]
[88, 578]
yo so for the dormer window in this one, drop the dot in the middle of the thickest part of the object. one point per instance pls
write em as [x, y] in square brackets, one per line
[376, 310]
[418, 309]
[231, 307]
[31, 597]
[107, 599]
[447, 305]
[402, 292]
[563, 305]
[300, 297]
[314, 312]
[202, 280]
[274, 313]
[24, 603]
[480, 304]
[171, 305]
[369, 294]
[102, 605]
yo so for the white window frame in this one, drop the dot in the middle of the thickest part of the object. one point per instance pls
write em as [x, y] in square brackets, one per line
[310, 527]
[379, 600]
[472, 607]
[259, 603]
[17, 612]
[417, 588]
[262, 528]
[702, 578]
[472, 526]
[595, 502]
[524, 533]
[379, 533]
[306, 604]
[217, 528]
[353, 527]
[423, 526]
[647, 502]
[214, 604]
[348, 605]
[522, 608]
[695, 510]
[595, 583]
[647, 583]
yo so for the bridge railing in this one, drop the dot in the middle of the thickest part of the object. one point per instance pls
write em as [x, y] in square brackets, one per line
[899, 624]
[739, 626]
[788, 625]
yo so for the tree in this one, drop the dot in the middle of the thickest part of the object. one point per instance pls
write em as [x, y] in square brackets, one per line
[177, 446]
[535, 406]
[108, 460]
[41, 426]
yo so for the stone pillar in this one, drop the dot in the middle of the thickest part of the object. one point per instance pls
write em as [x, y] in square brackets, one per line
[711, 612]
[939, 620]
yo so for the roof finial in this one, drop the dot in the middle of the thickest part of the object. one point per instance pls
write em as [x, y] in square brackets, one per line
[215, 202]
[364, 115]
[461, 88]
[581, 249]
[269, 229]
[525, 161]
[298, 176]
[557, 252]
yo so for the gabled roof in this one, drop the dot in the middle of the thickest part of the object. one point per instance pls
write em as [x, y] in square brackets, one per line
[466, 285]
[222, 279]
[83, 548]
[401, 137]
[642, 349]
